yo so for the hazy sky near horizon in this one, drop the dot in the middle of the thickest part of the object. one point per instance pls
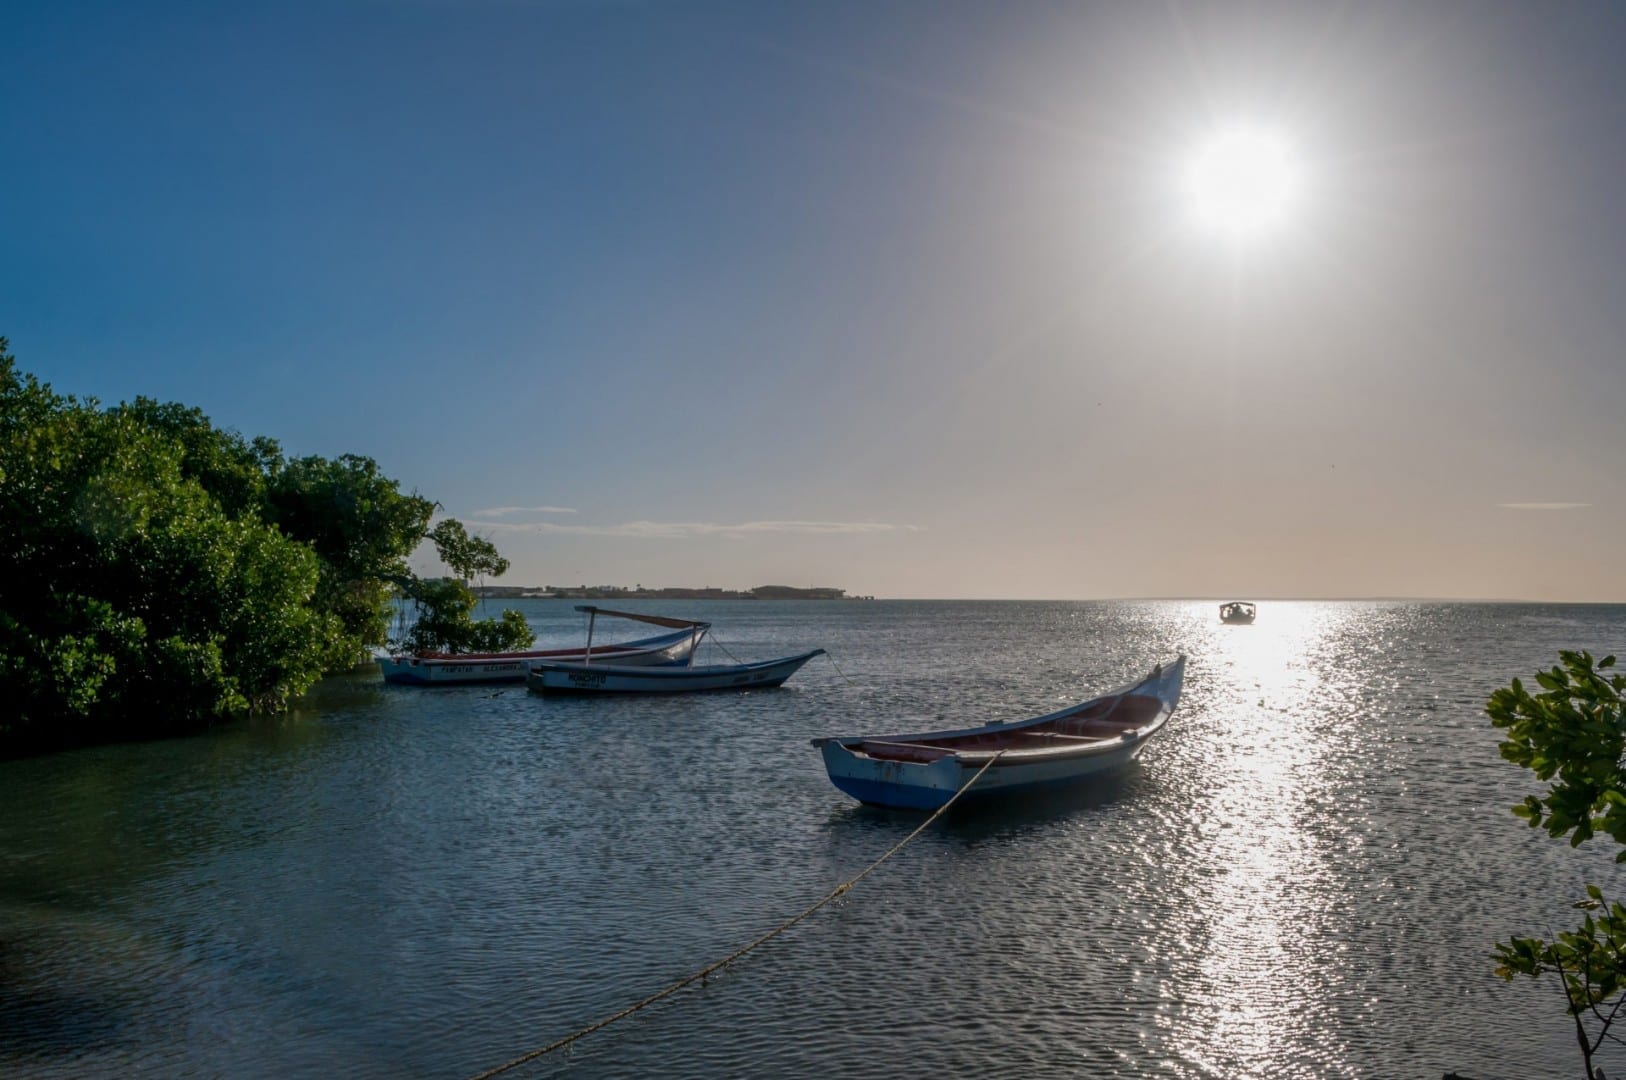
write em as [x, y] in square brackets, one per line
[905, 298]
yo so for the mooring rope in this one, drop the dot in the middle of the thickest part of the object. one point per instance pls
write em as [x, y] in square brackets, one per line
[837, 666]
[715, 640]
[559, 1044]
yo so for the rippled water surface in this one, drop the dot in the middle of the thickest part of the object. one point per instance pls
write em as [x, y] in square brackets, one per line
[1303, 876]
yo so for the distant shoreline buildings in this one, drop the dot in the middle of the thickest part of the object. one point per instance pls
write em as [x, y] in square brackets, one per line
[638, 592]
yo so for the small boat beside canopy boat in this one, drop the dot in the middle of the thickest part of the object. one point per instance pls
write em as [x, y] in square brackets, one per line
[456, 669]
[1237, 612]
[924, 770]
[592, 677]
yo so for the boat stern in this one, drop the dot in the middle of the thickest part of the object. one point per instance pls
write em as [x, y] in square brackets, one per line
[878, 782]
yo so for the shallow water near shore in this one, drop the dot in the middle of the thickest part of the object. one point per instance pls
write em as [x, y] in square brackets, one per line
[1303, 876]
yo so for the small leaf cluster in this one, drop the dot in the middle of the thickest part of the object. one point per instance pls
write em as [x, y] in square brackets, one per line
[1591, 959]
[468, 556]
[1573, 734]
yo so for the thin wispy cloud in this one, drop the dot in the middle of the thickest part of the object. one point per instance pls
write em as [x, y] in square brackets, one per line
[1543, 506]
[684, 530]
[503, 511]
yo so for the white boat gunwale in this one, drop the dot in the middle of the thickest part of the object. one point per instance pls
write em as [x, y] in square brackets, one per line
[581, 678]
[676, 671]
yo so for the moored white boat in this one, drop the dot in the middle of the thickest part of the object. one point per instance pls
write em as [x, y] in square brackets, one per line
[553, 677]
[452, 669]
[923, 770]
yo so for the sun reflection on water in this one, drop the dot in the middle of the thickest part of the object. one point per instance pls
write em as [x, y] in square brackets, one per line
[1264, 704]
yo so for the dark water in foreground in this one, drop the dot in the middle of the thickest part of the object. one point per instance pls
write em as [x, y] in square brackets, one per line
[1303, 877]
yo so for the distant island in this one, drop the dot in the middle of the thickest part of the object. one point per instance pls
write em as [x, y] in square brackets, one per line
[638, 592]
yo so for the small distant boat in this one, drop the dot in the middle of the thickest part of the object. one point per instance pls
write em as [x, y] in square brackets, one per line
[592, 677]
[456, 669]
[1237, 612]
[923, 771]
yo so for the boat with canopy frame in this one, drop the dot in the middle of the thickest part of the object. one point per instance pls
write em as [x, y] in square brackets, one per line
[554, 677]
[676, 646]
[613, 677]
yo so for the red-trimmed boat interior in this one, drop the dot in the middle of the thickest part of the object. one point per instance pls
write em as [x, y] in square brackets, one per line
[1094, 721]
[543, 654]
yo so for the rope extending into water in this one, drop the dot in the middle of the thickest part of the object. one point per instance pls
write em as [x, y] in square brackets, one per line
[843, 674]
[559, 1044]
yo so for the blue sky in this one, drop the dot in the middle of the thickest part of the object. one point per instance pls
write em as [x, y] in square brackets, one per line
[896, 297]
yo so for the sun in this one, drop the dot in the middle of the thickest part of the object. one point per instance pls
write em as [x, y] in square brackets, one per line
[1243, 182]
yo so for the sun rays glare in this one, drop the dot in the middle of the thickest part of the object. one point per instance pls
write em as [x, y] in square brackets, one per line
[1243, 182]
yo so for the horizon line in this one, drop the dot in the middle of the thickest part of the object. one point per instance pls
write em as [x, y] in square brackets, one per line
[1212, 599]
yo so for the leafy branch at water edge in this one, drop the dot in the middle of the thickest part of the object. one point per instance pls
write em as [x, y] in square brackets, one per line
[444, 622]
[1572, 735]
[443, 608]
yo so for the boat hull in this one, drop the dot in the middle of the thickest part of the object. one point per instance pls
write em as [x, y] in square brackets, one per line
[616, 678]
[923, 771]
[908, 786]
[665, 650]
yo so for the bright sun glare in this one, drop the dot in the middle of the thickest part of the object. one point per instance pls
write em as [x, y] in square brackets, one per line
[1243, 182]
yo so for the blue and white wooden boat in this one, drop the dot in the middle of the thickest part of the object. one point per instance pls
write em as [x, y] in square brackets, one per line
[592, 677]
[923, 770]
[456, 669]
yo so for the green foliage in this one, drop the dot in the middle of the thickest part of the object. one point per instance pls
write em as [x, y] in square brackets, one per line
[1573, 731]
[130, 601]
[445, 623]
[1591, 959]
[443, 608]
[468, 556]
[157, 573]
[362, 528]
[1573, 735]
[228, 467]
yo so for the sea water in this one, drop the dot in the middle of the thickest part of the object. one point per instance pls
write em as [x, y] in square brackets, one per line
[1304, 875]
